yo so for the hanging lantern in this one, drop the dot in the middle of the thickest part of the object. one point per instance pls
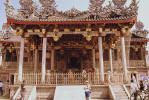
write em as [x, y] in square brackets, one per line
[10, 49]
[88, 37]
[43, 31]
[55, 37]
[19, 31]
[123, 30]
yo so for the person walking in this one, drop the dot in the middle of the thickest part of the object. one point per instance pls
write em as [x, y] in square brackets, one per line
[87, 91]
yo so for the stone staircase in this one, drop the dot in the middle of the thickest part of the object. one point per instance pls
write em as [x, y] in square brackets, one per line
[45, 93]
[28, 91]
[100, 93]
[69, 93]
[120, 92]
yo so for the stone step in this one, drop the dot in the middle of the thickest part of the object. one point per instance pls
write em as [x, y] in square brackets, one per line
[119, 92]
[43, 95]
[101, 99]
[122, 98]
[69, 93]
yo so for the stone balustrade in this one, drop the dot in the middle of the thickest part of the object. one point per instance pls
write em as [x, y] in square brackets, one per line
[67, 78]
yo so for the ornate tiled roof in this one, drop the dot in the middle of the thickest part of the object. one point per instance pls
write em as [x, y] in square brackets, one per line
[115, 10]
[139, 30]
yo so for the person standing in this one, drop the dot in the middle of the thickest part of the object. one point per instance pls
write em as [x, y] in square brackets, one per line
[1, 88]
[84, 75]
[134, 89]
[87, 91]
[23, 90]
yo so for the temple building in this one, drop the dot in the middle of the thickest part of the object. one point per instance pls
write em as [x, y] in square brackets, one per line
[51, 47]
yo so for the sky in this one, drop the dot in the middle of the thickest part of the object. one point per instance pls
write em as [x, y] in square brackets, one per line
[143, 14]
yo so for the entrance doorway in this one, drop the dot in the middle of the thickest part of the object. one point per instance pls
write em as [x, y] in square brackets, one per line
[73, 59]
[74, 63]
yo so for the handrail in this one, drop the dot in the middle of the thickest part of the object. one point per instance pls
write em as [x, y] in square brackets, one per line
[128, 94]
[112, 93]
[33, 94]
[16, 94]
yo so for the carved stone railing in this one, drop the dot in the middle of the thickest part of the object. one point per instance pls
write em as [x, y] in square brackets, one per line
[116, 65]
[66, 78]
[117, 78]
[132, 64]
[13, 66]
[136, 63]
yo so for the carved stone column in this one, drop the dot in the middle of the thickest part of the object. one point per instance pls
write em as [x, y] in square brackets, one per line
[101, 59]
[44, 48]
[52, 59]
[21, 58]
[35, 60]
[111, 60]
[1, 57]
[94, 59]
[124, 62]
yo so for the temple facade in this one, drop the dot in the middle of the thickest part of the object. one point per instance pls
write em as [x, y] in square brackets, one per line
[36, 42]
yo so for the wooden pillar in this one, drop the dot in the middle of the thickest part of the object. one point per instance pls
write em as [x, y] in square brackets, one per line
[21, 58]
[52, 59]
[124, 58]
[101, 59]
[44, 48]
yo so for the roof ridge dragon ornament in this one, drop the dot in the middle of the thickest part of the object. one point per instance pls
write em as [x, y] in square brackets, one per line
[97, 10]
[48, 8]
[26, 8]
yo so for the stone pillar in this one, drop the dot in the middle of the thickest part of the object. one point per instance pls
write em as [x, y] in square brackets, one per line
[124, 58]
[111, 60]
[101, 59]
[21, 58]
[35, 60]
[1, 56]
[145, 57]
[52, 59]
[94, 59]
[44, 48]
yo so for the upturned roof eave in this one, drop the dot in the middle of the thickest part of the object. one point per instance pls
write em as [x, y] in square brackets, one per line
[97, 21]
